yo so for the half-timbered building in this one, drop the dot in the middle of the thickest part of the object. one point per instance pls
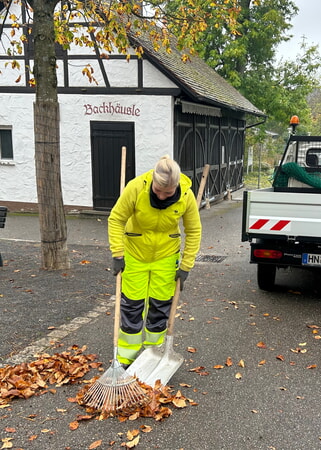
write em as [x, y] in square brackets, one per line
[153, 105]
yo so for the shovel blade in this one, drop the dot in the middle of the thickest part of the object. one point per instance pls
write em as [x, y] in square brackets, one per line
[165, 369]
[156, 363]
[146, 362]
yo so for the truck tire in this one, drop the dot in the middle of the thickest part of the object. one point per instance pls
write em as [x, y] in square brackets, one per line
[266, 276]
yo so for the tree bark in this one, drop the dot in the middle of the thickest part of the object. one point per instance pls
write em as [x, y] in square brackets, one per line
[53, 228]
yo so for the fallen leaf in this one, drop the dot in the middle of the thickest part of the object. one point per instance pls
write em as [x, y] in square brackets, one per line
[146, 428]
[191, 349]
[218, 366]
[241, 363]
[229, 362]
[133, 443]
[261, 345]
[95, 444]
[312, 366]
[10, 430]
[33, 437]
[7, 443]
[261, 363]
[238, 376]
[280, 357]
[74, 425]
[131, 434]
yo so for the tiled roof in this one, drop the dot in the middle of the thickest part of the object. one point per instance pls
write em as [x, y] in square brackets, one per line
[198, 80]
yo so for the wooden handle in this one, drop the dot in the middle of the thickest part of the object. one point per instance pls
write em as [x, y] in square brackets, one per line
[118, 276]
[117, 308]
[122, 169]
[171, 319]
[202, 184]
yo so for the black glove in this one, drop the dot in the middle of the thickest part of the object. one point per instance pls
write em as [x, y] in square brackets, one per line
[118, 265]
[182, 275]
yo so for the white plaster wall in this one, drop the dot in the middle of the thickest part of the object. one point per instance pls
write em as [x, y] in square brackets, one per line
[153, 138]
[154, 78]
[121, 73]
[18, 178]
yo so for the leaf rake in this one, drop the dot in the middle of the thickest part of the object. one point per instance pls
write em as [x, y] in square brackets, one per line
[115, 390]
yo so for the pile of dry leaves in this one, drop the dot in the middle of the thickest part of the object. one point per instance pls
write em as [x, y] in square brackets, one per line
[27, 379]
[51, 371]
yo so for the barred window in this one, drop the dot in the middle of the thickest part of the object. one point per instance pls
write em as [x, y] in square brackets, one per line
[6, 150]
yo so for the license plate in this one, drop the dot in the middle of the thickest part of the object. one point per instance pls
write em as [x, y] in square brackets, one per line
[311, 259]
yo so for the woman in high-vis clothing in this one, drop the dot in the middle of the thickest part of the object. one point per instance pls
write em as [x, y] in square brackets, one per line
[145, 240]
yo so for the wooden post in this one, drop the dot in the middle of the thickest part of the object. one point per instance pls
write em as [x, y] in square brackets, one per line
[202, 184]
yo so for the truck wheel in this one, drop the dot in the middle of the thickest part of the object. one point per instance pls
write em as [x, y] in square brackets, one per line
[266, 276]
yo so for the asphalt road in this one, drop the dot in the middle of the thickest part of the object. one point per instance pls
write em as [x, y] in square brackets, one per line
[259, 351]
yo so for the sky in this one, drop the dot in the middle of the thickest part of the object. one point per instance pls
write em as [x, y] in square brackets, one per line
[307, 23]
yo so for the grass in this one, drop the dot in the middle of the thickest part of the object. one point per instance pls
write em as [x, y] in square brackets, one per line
[252, 180]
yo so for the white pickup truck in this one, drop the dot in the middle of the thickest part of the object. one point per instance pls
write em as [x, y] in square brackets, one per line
[283, 223]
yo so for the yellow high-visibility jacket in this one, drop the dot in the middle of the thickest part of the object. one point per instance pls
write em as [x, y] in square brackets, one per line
[150, 234]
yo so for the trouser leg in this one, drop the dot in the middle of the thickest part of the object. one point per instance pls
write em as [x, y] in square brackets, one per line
[161, 291]
[135, 280]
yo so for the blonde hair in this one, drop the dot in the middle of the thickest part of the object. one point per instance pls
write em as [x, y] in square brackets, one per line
[166, 172]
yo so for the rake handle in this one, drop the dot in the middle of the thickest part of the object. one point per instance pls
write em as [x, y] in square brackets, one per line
[118, 276]
[117, 308]
[171, 319]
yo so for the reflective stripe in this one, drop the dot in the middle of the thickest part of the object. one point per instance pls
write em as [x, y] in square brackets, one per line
[153, 338]
[128, 346]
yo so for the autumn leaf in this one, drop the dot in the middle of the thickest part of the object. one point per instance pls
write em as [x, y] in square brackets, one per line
[85, 262]
[95, 444]
[33, 437]
[261, 345]
[131, 434]
[191, 349]
[229, 362]
[261, 363]
[179, 400]
[133, 443]
[197, 369]
[146, 428]
[241, 363]
[280, 357]
[238, 376]
[10, 430]
[74, 425]
[7, 443]
[312, 366]
[218, 366]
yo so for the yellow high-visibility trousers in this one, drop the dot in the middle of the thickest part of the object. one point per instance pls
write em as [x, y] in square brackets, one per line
[147, 292]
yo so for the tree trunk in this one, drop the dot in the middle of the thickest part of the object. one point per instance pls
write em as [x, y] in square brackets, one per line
[53, 229]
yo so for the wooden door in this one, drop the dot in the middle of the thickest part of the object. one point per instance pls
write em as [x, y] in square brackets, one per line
[107, 140]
